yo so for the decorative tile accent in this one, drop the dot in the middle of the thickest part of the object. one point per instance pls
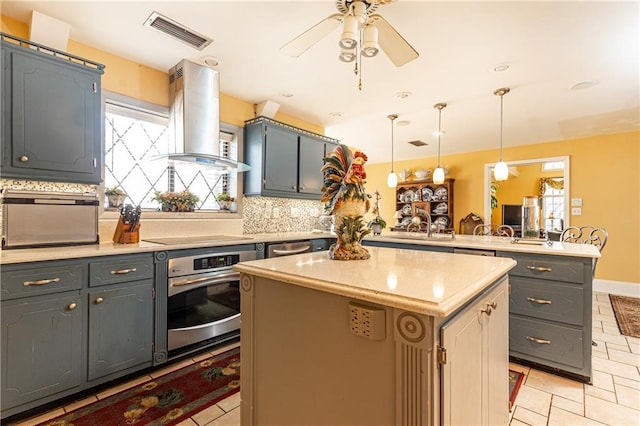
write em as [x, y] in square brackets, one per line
[267, 215]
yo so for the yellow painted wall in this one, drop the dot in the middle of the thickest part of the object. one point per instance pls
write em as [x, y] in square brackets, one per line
[604, 172]
[141, 82]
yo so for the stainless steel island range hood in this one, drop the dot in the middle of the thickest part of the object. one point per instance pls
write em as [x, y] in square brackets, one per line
[194, 116]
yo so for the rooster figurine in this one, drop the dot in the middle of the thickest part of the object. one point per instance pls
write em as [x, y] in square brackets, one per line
[346, 199]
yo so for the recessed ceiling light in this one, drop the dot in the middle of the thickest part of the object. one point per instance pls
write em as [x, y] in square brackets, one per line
[403, 95]
[584, 84]
[501, 67]
[287, 95]
[403, 123]
[335, 114]
[210, 61]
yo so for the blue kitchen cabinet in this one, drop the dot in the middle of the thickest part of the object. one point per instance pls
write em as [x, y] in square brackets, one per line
[550, 313]
[51, 114]
[69, 325]
[41, 333]
[285, 160]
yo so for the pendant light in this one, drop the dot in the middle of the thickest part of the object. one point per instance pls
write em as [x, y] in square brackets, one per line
[392, 179]
[438, 173]
[501, 170]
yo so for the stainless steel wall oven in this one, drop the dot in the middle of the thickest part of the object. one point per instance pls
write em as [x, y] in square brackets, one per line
[203, 304]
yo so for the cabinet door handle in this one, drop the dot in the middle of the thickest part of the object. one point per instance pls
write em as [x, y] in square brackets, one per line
[539, 301]
[123, 271]
[302, 188]
[489, 308]
[540, 341]
[99, 300]
[72, 306]
[538, 268]
[41, 282]
[23, 158]
[294, 187]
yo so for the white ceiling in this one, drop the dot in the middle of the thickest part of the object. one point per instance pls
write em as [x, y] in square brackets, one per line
[549, 46]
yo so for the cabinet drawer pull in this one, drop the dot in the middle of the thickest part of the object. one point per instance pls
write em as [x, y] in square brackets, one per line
[489, 308]
[41, 282]
[539, 301]
[294, 187]
[72, 306]
[99, 300]
[538, 268]
[123, 271]
[541, 341]
[23, 158]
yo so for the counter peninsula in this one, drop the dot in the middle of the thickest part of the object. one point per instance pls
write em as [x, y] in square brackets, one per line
[405, 337]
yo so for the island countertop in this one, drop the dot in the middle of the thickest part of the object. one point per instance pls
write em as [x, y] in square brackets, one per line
[430, 283]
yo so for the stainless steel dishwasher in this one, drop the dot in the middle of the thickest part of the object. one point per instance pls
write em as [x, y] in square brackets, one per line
[297, 247]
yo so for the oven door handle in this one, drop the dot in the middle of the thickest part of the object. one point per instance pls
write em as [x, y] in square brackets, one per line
[190, 284]
[209, 324]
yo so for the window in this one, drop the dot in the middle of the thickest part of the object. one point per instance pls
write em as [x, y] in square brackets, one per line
[553, 204]
[135, 133]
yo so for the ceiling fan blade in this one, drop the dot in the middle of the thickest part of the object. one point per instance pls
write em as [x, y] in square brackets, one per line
[304, 41]
[392, 43]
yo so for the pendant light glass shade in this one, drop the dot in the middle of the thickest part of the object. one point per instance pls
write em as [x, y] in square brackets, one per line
[438, 173]
[501, 170]
[392, 179]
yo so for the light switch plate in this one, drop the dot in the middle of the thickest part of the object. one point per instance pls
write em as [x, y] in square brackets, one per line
[576, 211]
[576, 202]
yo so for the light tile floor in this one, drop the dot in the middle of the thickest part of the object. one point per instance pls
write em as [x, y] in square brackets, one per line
[543, 399]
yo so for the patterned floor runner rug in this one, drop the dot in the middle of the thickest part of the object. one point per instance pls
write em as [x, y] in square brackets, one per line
[627, 313]
[166, 400]
[515, 380]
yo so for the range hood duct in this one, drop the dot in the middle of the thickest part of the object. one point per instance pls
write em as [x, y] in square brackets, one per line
[194, 116]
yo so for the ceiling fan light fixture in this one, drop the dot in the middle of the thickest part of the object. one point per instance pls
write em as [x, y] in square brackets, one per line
[347, 56]
[370, 46]
[349, 37]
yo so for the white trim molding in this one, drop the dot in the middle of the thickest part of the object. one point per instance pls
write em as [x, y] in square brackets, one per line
[621, 288]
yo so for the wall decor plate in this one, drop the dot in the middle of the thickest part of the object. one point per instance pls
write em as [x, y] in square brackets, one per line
[408, 196]
[440, 208]
[406, 209]
[440, 193]
[442, 221]
[427, 194]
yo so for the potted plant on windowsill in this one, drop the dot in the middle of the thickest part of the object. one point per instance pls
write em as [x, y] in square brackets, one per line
[377, 224]
[224, 201]
[115, 196]
[183, 201]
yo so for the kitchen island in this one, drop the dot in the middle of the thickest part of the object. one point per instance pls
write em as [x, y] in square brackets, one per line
[405, 337]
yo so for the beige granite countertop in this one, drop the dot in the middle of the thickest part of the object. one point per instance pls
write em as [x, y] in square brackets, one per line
[490, 243]
[22, 255]
[11, 256]
[429, 283]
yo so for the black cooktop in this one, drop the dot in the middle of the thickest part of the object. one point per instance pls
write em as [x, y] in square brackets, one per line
[196, 239]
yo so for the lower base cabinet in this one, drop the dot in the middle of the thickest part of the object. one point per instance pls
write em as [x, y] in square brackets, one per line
[120, 328]
[71, 325]
[41, 347]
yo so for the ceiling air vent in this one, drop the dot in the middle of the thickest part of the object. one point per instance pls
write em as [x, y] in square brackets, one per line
[418, 143]
[177, 31]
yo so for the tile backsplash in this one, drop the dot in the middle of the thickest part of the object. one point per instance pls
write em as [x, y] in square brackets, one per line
[267, 214]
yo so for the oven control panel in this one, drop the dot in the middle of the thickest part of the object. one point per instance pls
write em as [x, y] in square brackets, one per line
[214, 262]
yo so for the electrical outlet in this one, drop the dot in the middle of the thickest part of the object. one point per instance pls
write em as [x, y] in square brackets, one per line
[367, 321]
[267, 209]
[276, 212]
[576, 211]
[295, 212]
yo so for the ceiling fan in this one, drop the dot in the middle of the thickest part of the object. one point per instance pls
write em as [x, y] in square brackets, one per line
[363, 31]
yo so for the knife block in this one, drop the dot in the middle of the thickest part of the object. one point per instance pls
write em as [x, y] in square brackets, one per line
[124, 235]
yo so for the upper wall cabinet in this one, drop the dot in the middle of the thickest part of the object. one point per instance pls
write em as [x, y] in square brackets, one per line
[285, 160]
[51, 114]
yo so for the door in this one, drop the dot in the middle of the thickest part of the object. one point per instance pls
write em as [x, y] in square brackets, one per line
[475, 376]
[281, 160]
[312, 153]
[41, 347]
[120, 327]
[54, 122]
